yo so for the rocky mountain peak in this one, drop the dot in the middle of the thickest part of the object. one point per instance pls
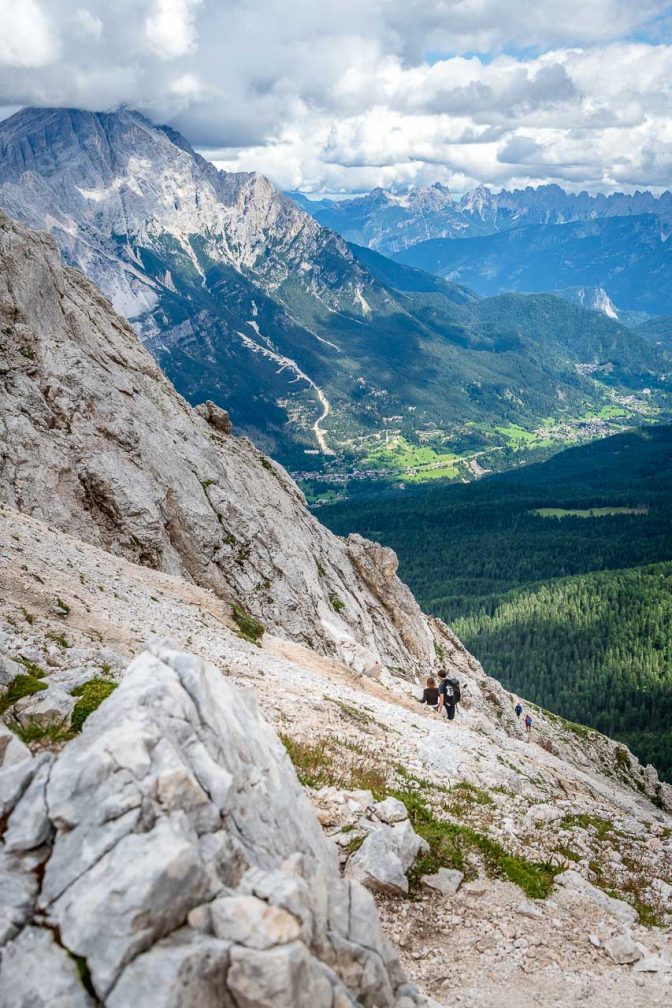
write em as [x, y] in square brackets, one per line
[102, 182]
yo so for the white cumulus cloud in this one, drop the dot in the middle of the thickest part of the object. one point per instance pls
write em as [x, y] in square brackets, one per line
[349, 96]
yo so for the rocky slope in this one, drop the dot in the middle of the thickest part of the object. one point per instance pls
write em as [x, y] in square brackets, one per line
[96, 441]
[563, 800]
[156, 847]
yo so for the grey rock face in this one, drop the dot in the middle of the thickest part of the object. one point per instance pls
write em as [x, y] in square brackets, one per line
[35, 971]
[97, 442]
[180, 858]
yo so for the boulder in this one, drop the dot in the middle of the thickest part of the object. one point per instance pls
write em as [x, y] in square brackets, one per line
[623, 949]
[12, 749]
[9, 670]
[529, 909]
[545, 813]
[252, 922]
[384, 858]
[391, 810]
[652, 964]
[215, 416]
[180, 858]
[446, 881]
[52, 706]
[576, 883]
[181, 971]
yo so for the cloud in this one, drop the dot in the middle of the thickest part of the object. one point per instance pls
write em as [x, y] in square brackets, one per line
[355, 95]
[171, 28]
[26, 36]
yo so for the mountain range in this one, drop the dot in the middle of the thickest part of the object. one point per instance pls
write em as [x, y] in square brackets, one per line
[542, 239]
[318, 348]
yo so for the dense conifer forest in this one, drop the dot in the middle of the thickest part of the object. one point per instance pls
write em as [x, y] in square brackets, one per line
[558, 577]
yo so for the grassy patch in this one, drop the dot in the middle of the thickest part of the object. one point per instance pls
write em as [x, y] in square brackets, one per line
[91, 694]
[604, 829]
[63, 606]
[337, 604]
[32, 668]
[450, 844]
[354, 844]
[29, 618]
[473, 794]
[33, 733]
[354, 712]
[598, 512]
[323, 764]
[57, 638]
[410, 462]
[423, 783]
[564, 851]
[21, 686]
[249, 628]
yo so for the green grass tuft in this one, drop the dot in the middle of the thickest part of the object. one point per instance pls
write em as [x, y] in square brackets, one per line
[91, 694]
[337, 604]
[33, 733]
[21, 686]
[450, 843]
[57, 638]
[249, 628]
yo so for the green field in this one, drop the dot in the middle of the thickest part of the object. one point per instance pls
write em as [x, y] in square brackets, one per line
[598, 512]
[414, 463]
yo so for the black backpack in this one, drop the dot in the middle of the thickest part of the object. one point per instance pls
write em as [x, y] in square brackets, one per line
[457, 695]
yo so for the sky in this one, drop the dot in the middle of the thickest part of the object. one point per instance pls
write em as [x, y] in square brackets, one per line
[343, 97]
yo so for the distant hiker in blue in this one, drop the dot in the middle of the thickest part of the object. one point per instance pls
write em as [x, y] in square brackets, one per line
[518, 709]
[528, 726]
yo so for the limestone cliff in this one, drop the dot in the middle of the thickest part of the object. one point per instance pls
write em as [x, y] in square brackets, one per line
[97, 442]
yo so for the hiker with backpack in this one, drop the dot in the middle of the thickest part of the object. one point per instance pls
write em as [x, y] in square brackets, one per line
[518, 709]
[449, 695]
[528, 726]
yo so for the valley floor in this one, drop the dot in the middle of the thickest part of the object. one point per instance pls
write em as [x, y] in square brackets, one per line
[486, 946]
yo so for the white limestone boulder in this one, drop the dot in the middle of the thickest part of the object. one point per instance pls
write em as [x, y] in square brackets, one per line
[171, 848]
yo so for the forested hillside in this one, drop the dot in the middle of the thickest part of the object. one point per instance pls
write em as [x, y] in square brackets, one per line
[553, 575]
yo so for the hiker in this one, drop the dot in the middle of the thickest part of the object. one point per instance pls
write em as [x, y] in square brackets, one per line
[528, 726]
[446, 696]
[430, 695]
[518, 709]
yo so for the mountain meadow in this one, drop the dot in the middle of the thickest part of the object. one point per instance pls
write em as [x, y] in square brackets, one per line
[557, 576]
